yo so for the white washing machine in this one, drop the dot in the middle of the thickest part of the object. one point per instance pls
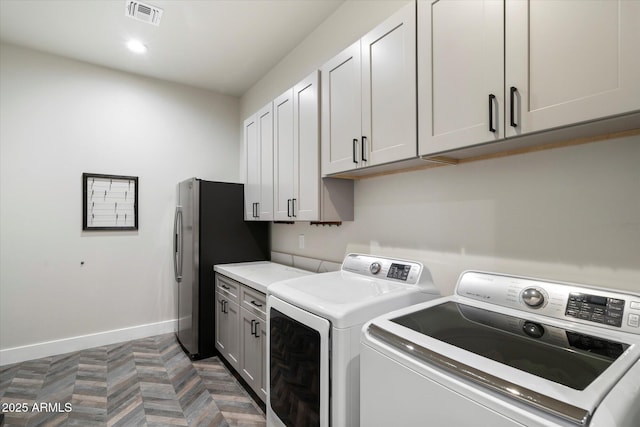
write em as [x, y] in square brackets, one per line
[505, 351]
[314, 325]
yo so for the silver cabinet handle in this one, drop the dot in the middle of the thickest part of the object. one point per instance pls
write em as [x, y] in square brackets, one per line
[177, 244]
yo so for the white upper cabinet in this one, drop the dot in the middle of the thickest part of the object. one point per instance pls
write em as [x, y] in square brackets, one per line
[501, 68]
[258, 137]
[252, 155]
[460, 73]
[284, 154]
[300, 194]
[570, 62]
[306, 106]
[389, 90]
[341, 111]
[368, 98]
[297, 152]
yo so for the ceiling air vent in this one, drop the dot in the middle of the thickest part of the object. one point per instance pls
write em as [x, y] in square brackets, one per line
[143, 12]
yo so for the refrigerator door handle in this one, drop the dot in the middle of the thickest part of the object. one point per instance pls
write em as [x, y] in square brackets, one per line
[177, 244]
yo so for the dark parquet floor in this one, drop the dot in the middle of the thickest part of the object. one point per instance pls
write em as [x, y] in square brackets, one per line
[145, 382]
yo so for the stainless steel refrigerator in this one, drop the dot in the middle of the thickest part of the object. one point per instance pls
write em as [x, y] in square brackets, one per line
[209, 229]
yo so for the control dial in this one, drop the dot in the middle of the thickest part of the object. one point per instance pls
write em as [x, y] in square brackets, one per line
[533, 297]
[375, 267]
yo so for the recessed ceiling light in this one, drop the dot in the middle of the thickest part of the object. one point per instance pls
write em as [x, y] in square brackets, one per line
[136, 46]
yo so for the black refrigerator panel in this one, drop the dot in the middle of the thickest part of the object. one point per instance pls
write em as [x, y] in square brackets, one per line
[220, 236]
[225, 237]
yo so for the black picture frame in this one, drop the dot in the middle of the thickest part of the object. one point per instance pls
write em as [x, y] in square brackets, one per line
[109, 202]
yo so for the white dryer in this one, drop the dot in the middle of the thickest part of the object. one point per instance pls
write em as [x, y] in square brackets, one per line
[506, 351]
[314, 325]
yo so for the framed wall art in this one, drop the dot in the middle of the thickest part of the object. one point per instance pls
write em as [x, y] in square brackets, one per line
[109, 202]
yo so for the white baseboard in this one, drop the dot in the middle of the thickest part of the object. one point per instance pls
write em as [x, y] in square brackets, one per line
[67, 345]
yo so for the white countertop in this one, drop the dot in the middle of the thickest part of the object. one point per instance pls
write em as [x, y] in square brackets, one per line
[259, 274]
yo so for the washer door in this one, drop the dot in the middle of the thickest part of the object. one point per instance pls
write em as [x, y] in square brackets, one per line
[298, 366]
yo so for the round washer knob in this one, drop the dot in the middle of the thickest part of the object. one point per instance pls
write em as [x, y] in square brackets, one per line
[375, 267]
[533, 297]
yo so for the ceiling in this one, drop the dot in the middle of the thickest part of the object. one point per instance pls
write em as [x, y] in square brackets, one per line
[222, 45]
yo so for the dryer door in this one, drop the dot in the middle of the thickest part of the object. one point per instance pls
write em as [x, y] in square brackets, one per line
[298, 366]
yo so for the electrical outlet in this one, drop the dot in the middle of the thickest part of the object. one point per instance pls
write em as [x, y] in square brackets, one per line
[301, 241]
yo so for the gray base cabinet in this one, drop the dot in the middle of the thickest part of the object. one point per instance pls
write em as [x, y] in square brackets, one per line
[241, 328]
[227, 317]
[253, 340]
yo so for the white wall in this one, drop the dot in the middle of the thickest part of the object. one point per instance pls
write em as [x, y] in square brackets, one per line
[61, 118]
[568, 214]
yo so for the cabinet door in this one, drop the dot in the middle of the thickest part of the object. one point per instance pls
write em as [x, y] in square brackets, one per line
[252, 356]
[460, 73]
[285, 163]
[227, 318]
[306, 202]
[264, 117]
[263, 346]
[221, 337]
[570, 61]
[341, 111]
[252, 153]
[389, 90]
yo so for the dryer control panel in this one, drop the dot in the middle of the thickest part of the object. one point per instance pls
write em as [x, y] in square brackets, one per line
[396, 270]
[607, 308]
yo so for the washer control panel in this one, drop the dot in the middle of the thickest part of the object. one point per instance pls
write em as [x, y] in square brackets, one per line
[607, 308]
[596, 308]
